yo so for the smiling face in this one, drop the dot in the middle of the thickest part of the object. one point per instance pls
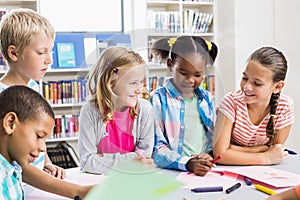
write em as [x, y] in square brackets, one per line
[128, 87]
[28, 138]
[34, 60]
[257, 84]
[189, 74]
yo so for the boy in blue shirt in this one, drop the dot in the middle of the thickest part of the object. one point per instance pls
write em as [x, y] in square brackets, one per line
[26, 120]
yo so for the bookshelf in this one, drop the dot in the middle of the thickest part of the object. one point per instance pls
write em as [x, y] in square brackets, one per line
[10, 4]
[173, 18]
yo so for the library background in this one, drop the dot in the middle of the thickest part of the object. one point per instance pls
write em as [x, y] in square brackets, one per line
[80, 39]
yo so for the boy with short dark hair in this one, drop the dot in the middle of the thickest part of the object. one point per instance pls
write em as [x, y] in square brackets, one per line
[26, 121]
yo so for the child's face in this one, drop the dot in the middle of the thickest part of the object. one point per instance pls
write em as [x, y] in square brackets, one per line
[33, 62]
[128, 87]
[28, 139]
[189, 73]
[257, 83]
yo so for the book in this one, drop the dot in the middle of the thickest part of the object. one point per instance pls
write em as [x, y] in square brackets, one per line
[68, 50]
[72, 154]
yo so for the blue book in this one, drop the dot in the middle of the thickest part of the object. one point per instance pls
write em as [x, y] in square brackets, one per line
[68, 51]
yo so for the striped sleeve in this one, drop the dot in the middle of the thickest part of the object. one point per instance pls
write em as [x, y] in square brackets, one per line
[285, 112]
[227, 107]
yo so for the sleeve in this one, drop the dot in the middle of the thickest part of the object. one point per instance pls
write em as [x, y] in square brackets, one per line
[145, 130]
[227, 106]
[164, 155]
[91, 129]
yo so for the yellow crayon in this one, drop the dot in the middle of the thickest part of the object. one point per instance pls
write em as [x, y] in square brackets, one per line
[264, 189]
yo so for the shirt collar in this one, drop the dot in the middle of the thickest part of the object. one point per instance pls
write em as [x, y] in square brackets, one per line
[10, 169]
[174, 93]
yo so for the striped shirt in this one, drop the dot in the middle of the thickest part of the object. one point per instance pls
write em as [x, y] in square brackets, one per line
[11, 181]
[244, 132]
[169, 110]
[31, 84]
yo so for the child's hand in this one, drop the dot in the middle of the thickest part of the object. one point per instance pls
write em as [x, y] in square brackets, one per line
[146, 161]
[204, 156]
[275, 154]
[54, 170]
[200, 164]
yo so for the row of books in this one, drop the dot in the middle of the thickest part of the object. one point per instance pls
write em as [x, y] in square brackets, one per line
[63, 155]
[196, 22]
[200, 0]
[163, 21]
[156, 82]
[207, 84]
[65, 91]
[65, 126]
[185, 0]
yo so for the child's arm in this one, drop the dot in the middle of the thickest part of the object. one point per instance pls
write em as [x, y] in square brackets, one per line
[43, 181]
[289, 194]
[222, 146]
[145, 129]
[52, 169]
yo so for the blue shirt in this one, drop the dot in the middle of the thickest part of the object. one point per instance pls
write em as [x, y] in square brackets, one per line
[169, 109]
[11, 181]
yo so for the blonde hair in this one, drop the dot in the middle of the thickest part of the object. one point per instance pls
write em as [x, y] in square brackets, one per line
[19, 27]
[101, 79]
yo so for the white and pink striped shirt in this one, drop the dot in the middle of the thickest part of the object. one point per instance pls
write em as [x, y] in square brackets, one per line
[244, 132]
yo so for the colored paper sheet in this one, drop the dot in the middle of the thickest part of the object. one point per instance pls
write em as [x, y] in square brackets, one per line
[134, 181]
[268, 175]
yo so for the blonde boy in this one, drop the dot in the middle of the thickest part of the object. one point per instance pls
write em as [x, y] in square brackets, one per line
[26, 42]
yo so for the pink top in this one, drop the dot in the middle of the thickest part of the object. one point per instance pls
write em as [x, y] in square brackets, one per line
[244, 132]
[119, 138]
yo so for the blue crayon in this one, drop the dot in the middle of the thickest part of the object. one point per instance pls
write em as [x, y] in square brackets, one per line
[247, 180]
[291, 152]
[208, 189]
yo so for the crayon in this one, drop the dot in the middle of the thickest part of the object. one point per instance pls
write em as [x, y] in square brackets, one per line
[264, 189]
[232, 188]
[219, 157]
[291, 152]
[208, 189]
[247, 180]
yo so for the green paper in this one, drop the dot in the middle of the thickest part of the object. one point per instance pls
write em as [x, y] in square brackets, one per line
[133, 181]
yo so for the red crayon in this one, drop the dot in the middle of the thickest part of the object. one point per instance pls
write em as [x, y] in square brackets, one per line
[219, 157]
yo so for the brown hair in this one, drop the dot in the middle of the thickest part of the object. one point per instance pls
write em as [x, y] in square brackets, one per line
[275, 61]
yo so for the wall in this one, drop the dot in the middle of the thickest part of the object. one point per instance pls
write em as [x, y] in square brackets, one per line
[287, 38]
[78, 16]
